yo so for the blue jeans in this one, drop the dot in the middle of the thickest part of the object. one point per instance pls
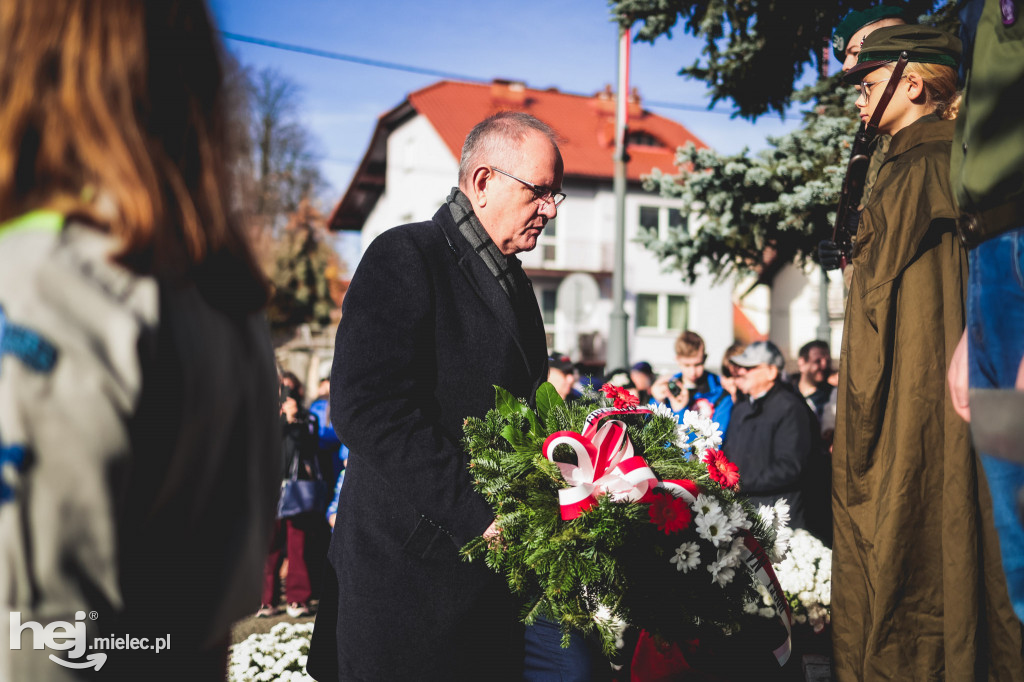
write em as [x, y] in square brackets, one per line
[547, 661]
[995, 340]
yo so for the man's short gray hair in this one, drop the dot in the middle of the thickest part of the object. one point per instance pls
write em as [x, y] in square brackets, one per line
[497, 138]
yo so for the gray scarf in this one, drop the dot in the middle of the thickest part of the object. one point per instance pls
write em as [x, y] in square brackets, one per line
[476, 235]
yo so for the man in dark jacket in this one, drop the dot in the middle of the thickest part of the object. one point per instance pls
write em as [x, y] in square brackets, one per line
[438, 313]
[773, 439]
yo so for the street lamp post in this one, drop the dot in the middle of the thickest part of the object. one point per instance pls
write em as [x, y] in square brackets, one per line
[618, 352]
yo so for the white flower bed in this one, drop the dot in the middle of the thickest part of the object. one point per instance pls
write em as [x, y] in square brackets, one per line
[277, 655]
[805, 575]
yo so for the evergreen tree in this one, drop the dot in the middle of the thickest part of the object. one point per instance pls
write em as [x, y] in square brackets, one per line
[759, 212]
[305, 272]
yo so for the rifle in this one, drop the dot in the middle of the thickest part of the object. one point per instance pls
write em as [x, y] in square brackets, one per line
[847, 214]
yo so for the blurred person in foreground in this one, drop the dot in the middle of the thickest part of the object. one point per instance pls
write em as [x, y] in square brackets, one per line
[918, 593]
[138, 394]
[438, 314]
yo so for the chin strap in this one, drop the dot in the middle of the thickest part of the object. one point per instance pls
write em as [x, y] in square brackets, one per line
[894, 80]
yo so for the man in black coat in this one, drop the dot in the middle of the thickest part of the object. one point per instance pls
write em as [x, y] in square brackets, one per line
[438, 313]
[773, 440]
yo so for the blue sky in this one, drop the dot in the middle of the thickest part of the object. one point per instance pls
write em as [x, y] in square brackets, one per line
[570, 44]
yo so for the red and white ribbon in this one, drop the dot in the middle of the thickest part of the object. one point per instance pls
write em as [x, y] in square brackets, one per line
[756, 559]
[605, 465]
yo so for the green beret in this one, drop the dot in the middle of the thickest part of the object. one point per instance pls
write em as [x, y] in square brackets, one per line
[855, 21]
[921, 43]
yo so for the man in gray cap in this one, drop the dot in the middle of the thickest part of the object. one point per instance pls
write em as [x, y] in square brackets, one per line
[773, 439]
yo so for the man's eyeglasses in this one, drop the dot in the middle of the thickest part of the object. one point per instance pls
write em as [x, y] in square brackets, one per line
[541, 194]
[865, 86]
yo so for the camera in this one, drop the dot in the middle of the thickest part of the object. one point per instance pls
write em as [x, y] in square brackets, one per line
[674, 388]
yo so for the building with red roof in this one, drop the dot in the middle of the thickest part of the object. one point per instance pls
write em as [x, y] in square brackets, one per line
[412, 163]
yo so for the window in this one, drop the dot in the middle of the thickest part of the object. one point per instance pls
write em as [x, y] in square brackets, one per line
[659, 219]
[649, 218]
[662, 312]
[548, 252]
[642, 137]
[647, 310]
[675, 217]
[548, 298]
[677, 312]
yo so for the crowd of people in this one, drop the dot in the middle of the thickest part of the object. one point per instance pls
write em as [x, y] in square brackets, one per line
[182, 472]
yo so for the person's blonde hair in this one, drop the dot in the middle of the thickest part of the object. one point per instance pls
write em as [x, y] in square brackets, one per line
[939, 87]
[113, 110]
[689, 344]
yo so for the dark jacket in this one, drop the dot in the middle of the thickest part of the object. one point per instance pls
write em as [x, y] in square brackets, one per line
[913, 525]
[299, 440]
[774, 442]
[426, 333]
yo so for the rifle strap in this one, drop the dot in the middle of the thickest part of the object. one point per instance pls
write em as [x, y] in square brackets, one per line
[890, 90]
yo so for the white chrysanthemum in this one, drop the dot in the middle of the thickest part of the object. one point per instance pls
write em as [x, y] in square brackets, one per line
[781, 512]
[767, 515]
[730, 556]
[738, 517]
[662, 410]
[706, 504]
[712, 528]
[781, 548]
[687, 557]
[720, 574]
[277, 655]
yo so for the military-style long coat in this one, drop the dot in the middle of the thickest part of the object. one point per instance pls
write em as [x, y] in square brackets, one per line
[918, 591]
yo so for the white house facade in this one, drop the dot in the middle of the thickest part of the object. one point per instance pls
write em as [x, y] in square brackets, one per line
[412, 164]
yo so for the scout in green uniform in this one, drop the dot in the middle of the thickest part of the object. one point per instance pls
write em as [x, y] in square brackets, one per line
[917, 586]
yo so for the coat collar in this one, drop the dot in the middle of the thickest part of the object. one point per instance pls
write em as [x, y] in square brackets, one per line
[928, 128]
[480, 278]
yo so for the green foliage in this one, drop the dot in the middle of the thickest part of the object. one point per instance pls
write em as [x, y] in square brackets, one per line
[754, 52]
[612, 555]
[761, 211]
[301, 272]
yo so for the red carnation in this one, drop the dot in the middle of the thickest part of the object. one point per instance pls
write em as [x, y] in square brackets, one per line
[621, 397]
[670, 514]
[722, 471]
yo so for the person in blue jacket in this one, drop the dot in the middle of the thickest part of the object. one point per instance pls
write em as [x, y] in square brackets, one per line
[693, 388]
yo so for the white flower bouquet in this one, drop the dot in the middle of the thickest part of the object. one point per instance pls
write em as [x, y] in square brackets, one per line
[806, 577]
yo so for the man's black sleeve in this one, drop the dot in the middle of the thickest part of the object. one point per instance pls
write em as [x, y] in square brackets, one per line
[384, 385]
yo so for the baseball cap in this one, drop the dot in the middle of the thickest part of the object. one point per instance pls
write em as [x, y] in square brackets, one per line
[643, 366]
[561, 362]
[759, 353]
[858, 19]
[921, 43]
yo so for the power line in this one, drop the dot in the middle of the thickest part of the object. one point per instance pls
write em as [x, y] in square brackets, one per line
[326, 54]
[337, 56]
